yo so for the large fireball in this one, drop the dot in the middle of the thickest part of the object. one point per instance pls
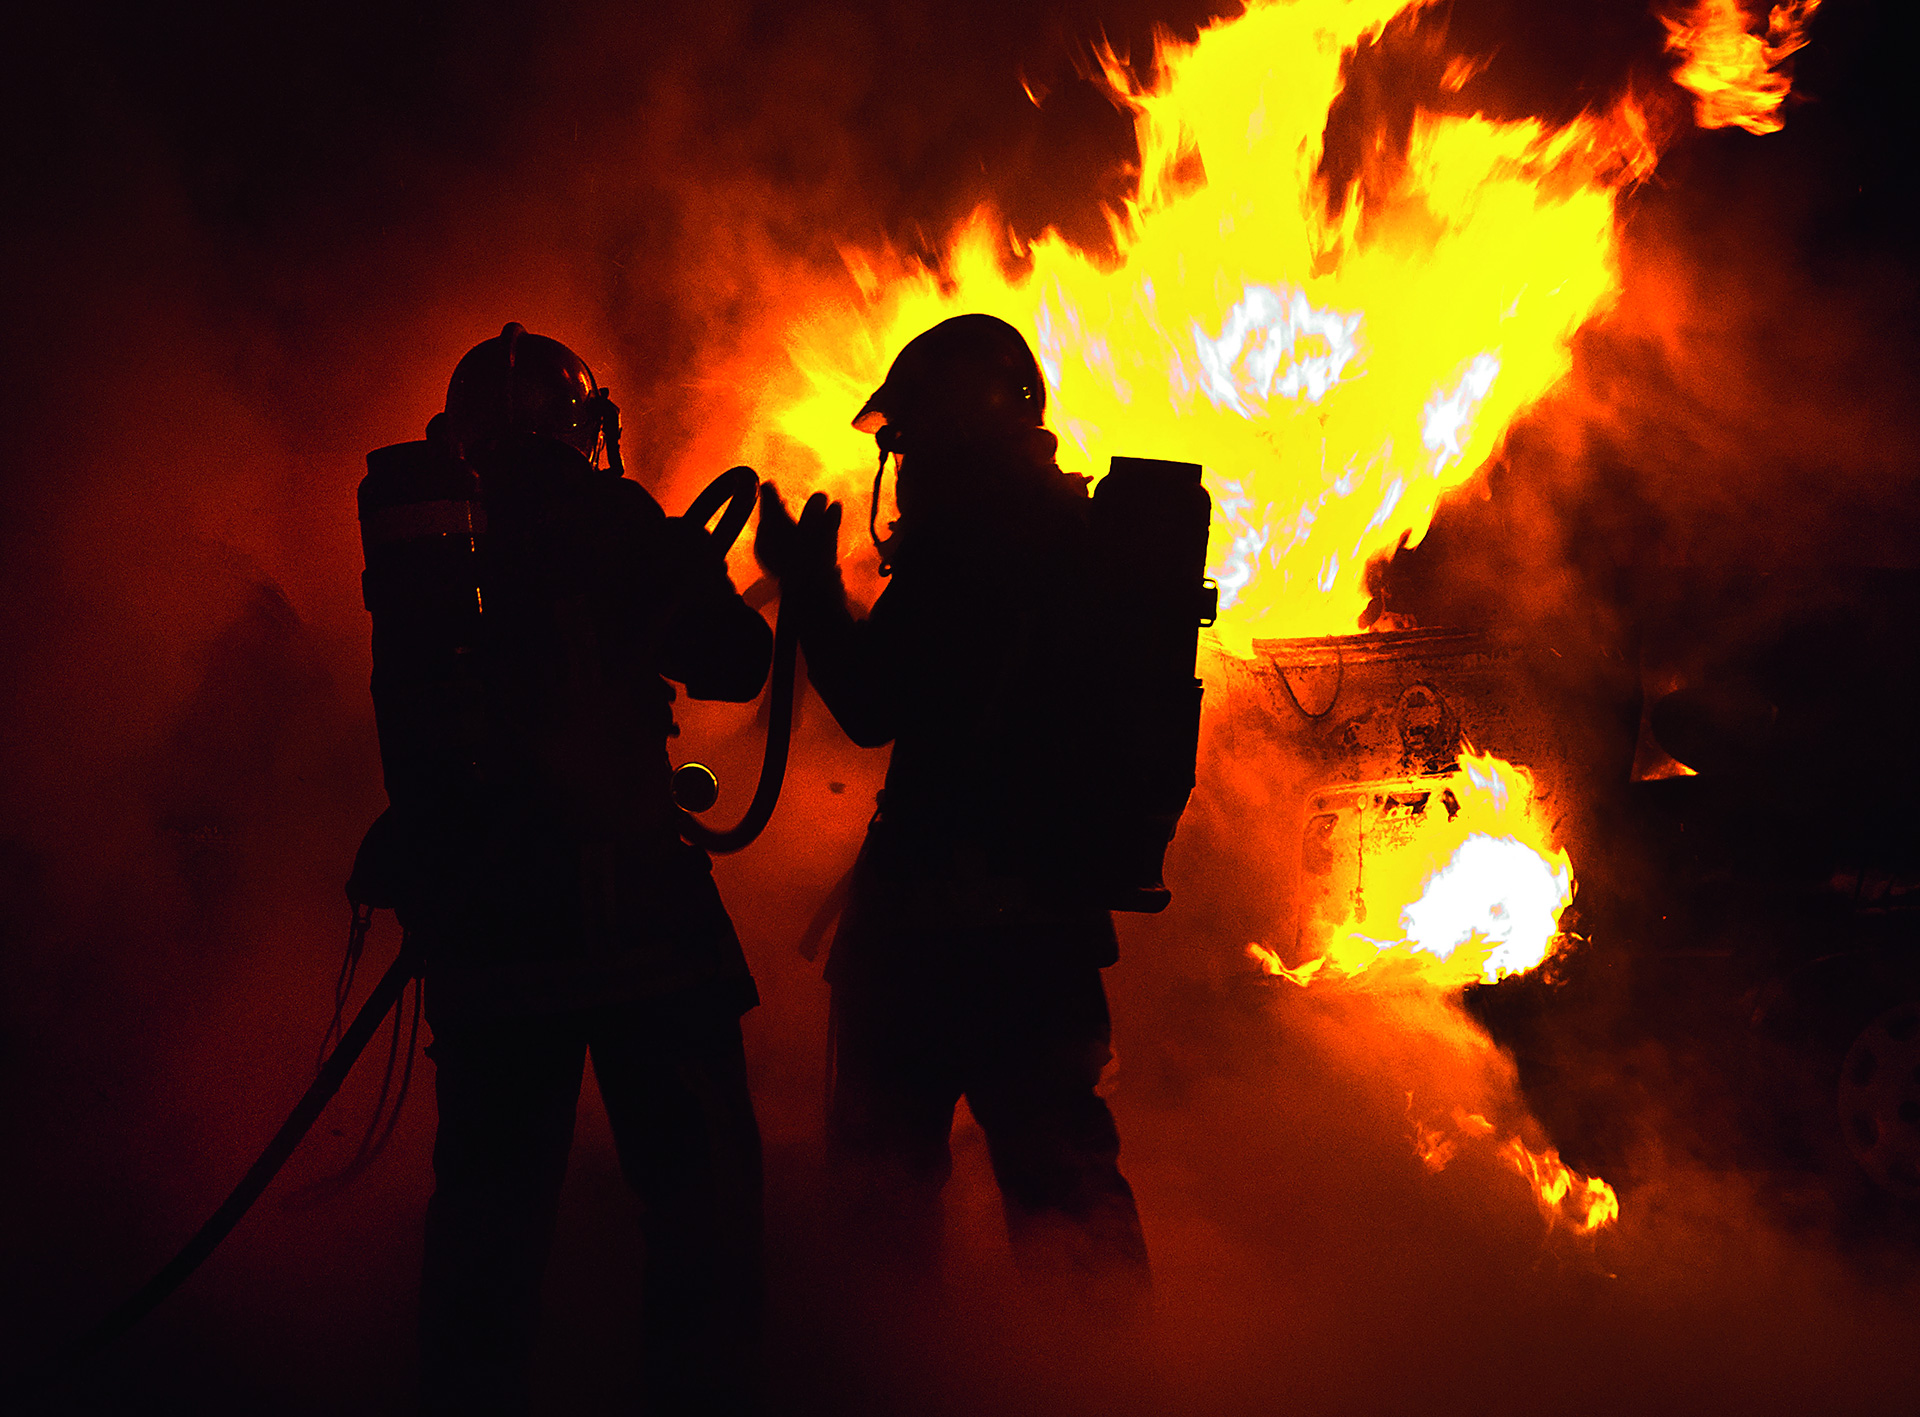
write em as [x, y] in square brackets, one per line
[1335, 359]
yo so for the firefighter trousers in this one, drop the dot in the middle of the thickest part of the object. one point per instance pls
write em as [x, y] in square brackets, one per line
[674, 1082]
[1025, 1045]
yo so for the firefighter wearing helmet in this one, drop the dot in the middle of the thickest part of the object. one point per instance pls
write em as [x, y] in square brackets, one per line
[530, 606]
[968, 959]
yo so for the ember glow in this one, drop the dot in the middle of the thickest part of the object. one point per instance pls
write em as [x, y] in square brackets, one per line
[1335, 359]
[1732, 74]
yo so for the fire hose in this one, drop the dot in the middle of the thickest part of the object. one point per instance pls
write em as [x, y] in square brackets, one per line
[735, 490]
[220, 1224]
[694, 786]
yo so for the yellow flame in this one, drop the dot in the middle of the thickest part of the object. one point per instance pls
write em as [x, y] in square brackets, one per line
[1476, 897]
[1734, 75]
[1336, 360]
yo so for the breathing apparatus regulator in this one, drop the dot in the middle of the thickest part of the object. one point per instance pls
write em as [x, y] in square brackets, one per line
[971, 382]
[423, 523]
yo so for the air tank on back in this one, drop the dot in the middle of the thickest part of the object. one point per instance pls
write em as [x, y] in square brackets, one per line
[1150, 523]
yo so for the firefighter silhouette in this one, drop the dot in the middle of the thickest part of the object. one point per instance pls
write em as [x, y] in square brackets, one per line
[968, 959]
[529, 607]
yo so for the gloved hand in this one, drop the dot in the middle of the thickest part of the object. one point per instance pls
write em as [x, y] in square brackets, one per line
[805, 550]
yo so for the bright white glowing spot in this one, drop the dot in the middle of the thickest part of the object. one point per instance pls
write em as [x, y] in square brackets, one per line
[1388, 501]
[1485, 777]
[1447, 420]
[1249, 537]
[1494, 890]
[1262, 350]
[1049, 341]
[1329, 572]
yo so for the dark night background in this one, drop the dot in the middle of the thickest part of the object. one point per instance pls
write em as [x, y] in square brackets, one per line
[241, 245]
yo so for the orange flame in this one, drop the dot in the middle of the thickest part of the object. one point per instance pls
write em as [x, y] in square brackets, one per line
[1732, 74]
[1586, 1203]
[1270, 961]
[1433, 1147]
[1336, 360]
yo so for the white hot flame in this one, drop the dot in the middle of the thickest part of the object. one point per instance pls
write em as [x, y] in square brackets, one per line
[1494, 889]
[1268, 345]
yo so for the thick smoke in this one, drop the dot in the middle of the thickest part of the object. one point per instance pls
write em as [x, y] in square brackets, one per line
[247, 245]
[1747, 404]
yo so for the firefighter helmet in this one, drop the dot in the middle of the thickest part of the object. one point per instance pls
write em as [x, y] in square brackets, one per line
[522, 384]
[968, 378]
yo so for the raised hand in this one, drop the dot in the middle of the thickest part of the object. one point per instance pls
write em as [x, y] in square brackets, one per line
[797, 550]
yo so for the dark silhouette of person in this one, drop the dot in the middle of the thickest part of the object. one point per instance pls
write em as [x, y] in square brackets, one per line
[529, 607]
[968, 959]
